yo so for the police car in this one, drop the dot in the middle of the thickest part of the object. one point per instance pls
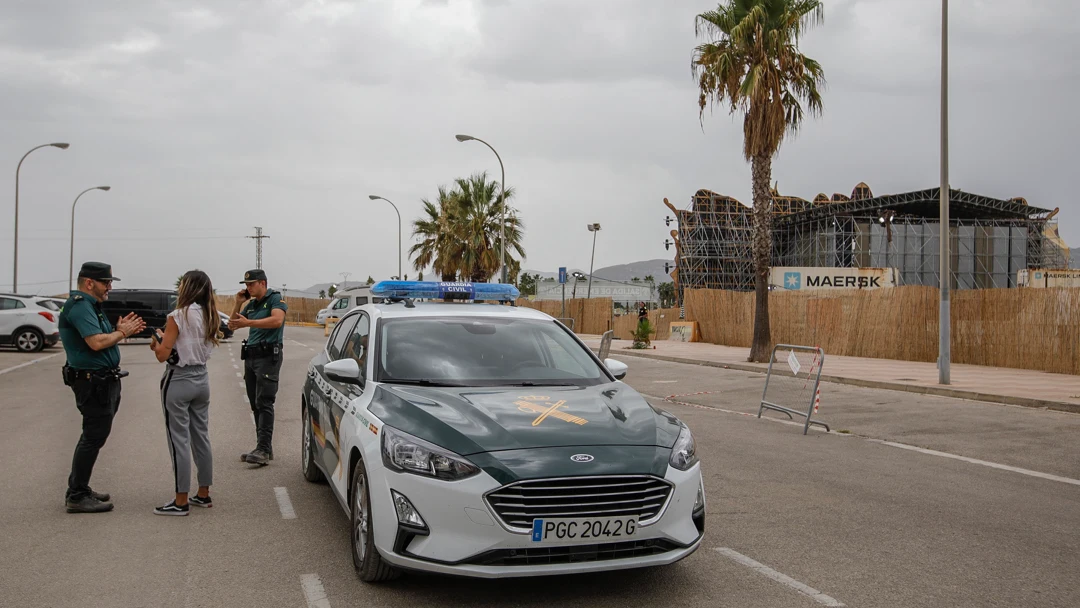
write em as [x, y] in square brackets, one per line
[482, 439]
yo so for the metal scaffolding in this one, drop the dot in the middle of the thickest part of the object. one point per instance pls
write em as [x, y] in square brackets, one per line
[992, 239]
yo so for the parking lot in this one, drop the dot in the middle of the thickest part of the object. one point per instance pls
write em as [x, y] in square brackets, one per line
[919, 501]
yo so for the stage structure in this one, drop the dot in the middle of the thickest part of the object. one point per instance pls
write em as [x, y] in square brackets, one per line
[991, 238]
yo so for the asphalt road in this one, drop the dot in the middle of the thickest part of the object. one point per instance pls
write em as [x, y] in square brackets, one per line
[858, 521]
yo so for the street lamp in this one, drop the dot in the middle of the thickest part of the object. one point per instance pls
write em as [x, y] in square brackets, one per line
[378, 198]
[593, 228]
[944, 345]
[71, 259]
[577, 277]
[15, 272]
[502, 197]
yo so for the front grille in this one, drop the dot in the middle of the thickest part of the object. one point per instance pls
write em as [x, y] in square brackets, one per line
[572, 554]
[519, 503]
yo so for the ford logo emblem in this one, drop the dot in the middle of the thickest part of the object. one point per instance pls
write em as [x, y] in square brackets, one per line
[582, 458]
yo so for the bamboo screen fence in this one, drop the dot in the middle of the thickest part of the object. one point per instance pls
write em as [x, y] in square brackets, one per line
[591, 316]
[301, 310]
[1035, 329]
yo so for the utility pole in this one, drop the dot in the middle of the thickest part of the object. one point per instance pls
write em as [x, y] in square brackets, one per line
[345, 280]
[259, 236]
[944, 234]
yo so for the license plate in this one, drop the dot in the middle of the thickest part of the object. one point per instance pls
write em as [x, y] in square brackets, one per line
[586, 530]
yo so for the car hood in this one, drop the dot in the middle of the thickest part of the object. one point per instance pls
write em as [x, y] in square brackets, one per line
[476, 420]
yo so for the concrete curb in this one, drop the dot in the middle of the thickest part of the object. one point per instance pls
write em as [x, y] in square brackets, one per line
[1059, 406]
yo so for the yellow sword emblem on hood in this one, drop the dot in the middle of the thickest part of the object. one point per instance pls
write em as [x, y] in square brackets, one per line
[547, 409]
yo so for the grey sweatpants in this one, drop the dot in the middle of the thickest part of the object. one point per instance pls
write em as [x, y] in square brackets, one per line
[185, 399]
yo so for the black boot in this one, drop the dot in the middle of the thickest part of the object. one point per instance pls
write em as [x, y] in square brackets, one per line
[258, 456]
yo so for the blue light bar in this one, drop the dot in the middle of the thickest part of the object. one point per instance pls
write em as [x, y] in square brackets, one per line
[445, 290]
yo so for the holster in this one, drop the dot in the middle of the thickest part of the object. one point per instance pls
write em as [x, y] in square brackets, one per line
[243, 350]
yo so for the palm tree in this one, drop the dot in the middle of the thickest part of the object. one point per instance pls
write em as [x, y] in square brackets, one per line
[460, 233]
[439, 245]
[752, 64]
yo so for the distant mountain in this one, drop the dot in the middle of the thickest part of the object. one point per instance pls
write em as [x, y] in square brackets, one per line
[620, 272]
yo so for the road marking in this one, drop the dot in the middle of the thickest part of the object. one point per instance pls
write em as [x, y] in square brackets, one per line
[27, 364]
[664, 381]
[298, 343]
[314, 592]
[242, 385]
[284, 504]
[747, 414]
[985, 463]
[235, 366]
[239, 375]
[781, 578]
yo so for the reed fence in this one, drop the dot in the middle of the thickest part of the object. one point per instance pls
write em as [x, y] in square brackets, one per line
[1036, 329]
[591, 315]
[301, 310]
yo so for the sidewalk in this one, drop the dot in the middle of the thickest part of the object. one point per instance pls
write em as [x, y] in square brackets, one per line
[993, 384]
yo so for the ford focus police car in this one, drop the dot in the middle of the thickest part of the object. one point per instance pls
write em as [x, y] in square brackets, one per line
[487, 440]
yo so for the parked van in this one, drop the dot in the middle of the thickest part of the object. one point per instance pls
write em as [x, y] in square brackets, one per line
[153, 305]
[346, 300]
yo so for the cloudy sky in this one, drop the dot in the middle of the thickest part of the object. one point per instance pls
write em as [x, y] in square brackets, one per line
[208, 119]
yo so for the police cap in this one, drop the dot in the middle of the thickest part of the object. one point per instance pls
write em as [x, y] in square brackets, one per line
[254, 275]
[99, 271]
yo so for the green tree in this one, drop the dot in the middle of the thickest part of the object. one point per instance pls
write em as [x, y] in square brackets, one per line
[751, 63]
[528, 284]
[322, 294]
[330, 292]
[370, 281]
[667, 294]
[178, 279]
[459, 234]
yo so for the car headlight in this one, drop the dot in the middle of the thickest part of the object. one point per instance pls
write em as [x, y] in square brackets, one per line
[683, 453]
[407, 454]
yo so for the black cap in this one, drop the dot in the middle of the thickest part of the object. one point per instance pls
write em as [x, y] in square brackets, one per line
[254, 275]
[99, 271]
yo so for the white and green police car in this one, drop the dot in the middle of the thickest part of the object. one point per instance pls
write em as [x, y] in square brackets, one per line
[484, 439]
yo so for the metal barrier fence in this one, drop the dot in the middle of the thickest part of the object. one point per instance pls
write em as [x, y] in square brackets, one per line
[605, 344]
[793, 381]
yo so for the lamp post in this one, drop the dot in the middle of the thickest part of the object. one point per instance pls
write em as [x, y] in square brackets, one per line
[71, 259]
[577, 277]
[944, 344]
[379, 198]
[502, 199]
[15, 271]
[593, 228]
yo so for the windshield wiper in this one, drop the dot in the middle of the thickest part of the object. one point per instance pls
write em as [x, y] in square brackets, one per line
[421, 382]
[527, 383]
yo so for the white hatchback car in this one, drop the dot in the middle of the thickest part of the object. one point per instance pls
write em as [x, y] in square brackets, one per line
[29, 323]
[489, 441]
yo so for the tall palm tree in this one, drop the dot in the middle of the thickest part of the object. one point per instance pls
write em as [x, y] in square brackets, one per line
[752, 64]
[479, 223]
[460, 233]
[439, 246]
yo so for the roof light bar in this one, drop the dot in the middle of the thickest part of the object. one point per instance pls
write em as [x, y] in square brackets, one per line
[445, 290]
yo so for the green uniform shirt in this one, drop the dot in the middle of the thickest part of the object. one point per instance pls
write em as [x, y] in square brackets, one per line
[81, 318]
[260, 309]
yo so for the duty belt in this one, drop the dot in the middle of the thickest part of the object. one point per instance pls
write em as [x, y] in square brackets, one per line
[72, 374]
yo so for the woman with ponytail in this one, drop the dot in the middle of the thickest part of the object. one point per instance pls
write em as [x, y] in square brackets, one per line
[191, 333]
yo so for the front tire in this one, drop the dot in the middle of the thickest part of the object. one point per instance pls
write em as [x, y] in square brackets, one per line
[307, 452]
[369, 564]
[29, 340]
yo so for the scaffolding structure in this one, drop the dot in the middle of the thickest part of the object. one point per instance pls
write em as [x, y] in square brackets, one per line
[991, 239]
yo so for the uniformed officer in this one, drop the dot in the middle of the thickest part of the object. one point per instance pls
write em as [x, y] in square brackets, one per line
[262, 310]
[642, 313]
[93, 373]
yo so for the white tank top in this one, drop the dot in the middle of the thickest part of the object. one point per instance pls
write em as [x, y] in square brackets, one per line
[191, 345]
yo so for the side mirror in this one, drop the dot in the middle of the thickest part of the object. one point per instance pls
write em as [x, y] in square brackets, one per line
[617, 368]
[346, 371]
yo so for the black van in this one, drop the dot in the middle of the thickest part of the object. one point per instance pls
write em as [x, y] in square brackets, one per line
[153, 305]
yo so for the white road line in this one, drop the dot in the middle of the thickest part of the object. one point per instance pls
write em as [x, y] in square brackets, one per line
[664, 381]
[284, 504]
[298, 343]
[239, 375]
[747, 414]
[781, 578]
[235, 366]
[27, 364]
[985, 463]
[242, 385]
[314, 592]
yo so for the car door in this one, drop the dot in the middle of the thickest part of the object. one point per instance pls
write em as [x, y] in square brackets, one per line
[343, 395]
[10, 316]
[325, 423]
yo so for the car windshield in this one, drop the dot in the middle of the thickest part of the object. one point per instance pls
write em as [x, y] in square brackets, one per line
[482, 351]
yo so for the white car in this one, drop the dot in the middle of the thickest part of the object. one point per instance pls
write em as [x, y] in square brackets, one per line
[29, 323]
[487, 440]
